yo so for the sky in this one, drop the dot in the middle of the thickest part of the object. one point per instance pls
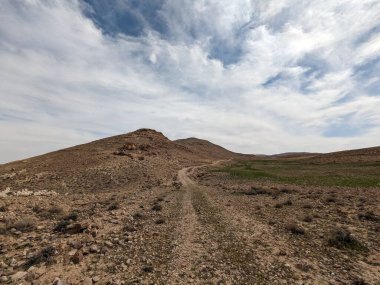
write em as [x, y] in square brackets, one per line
[259, 76]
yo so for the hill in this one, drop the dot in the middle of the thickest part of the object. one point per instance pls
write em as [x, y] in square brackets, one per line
[371, 154]
[206, 149]
[144, 157]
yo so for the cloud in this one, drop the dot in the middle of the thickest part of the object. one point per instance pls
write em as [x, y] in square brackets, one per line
[254, 76]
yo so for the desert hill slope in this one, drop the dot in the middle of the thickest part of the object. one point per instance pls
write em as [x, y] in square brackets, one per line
[206, 149]
[142, 156]
[371, 154]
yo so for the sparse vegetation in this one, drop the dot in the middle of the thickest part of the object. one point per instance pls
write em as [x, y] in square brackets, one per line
[157, 207]
[23, 225]
[342, 239]
[3, 207]
[138, 216]
[307, 206]
[363, 174]
[55, 210]
[257, 191]
[295, 229]
[61, 226]
[113, 206]
[331, 199]
[160, 221]
[359, 281]
[72, 216]
[45, 255]
[307, 219]
[368, 216]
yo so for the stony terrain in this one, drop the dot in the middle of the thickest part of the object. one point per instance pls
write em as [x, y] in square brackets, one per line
[141, 209]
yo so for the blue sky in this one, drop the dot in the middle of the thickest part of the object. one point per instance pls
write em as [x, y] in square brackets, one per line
[264, 76]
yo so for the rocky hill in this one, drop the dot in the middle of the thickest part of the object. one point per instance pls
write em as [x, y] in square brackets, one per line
[141, 157]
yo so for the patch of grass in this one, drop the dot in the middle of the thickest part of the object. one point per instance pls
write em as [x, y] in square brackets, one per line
[342, 239]
[300, 172]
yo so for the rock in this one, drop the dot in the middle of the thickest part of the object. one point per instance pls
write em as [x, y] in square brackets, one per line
[3, 279]
[77, 257]
[72, 252]
[75, 244]
[3, 265]
[95, 278]
[58, 281]
[87, 281]
[94, 248]
[108, 243]
[19, 275]
[76, 228]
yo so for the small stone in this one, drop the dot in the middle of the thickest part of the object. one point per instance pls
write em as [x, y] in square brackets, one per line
[94, 248]
[72, 252]
[108, 243]
[3, 265]
[75, 244]
[95, 278]
[19, 275]
[77, 257]
[87, 281]
[58, 281]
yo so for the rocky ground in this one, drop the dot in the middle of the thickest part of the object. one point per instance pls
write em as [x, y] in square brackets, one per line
[181, 224]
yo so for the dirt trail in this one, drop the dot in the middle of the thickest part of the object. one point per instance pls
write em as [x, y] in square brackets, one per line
[209, 250]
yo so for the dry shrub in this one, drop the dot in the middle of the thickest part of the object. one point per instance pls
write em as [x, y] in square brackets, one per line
[157, 207]
[295, 229]
[45, 255]
[113, 206]
[23, 225]
[342, 239]
[368, 216]
[307, 219]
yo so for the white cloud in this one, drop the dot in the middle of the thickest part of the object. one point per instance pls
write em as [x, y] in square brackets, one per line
[65, 82]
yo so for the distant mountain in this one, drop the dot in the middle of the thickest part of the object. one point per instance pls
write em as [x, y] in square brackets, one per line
[206, 149]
